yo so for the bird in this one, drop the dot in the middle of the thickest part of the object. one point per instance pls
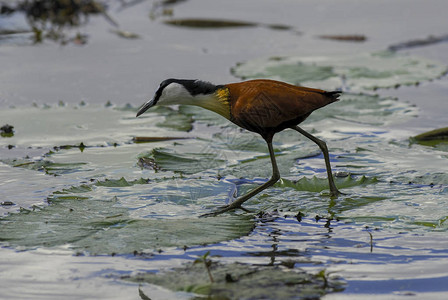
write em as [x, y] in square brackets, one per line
[262, 106]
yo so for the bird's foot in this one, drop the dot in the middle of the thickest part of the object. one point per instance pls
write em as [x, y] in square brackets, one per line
[336, 193]
[224, 209]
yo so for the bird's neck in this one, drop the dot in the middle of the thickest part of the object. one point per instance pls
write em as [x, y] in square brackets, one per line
[218, 102]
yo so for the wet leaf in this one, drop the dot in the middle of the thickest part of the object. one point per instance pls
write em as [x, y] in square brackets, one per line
[90, 125]
[260, 166]
[435, 135]
[345, 38]
[7, 131]
[203, 115]
[152, 139]
[366, 109]
[46, 166]
[90, 218]
[120, 182]
[430, 40]
[365, 71]
[188, 163]
[208, 23]
[316, 184]
[178, 122]
[241, 281]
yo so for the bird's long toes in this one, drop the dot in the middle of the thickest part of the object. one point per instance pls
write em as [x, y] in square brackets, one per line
[223, 209]
[217, 212]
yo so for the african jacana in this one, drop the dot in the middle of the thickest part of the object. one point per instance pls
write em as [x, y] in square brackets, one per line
[262, 106]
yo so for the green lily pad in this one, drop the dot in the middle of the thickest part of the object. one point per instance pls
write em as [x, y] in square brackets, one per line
[46, 166]
[121, 182]
[178, 122]
[100, 219]
[260, 166]
[241, 281]
[436, 134]
[364, 71]
[208, 23]
[366, 109]
[315, 184]
[437, 138]
[203, 115]
[53, 126]
[174, 119]
[187, 163]
[220, 24]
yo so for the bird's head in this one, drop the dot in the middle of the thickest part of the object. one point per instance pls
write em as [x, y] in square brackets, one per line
[183, 91]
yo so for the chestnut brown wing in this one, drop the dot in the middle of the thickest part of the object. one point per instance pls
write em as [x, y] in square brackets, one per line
[261, 104]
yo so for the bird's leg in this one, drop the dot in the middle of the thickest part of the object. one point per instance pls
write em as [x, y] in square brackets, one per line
[237, 203]
[334, 192]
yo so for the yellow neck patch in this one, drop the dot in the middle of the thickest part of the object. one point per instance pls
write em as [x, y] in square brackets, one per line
[223, 96]
[218, 102]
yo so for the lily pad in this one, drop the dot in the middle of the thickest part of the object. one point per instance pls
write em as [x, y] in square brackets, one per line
[208, 23]
[316, 184]
[221, 24]
[366, 109]
[187, 163]
[241, 281]
[436, 134]
[178, 122]
[174, 119]
[433, 137]
[46, 166]
[437, 138]
[7, 131]
[89, 218]
[55, 125]
[364, 71]
[203, 115]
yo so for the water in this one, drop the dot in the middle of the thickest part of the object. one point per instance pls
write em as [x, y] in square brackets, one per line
[86, 220]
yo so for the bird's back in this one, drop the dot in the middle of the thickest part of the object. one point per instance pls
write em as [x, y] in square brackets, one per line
[269, 106]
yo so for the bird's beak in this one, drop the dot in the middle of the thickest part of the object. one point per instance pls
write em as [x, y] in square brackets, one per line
[145, 107]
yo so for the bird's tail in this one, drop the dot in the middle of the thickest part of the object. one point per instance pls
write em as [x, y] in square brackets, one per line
[333, 95]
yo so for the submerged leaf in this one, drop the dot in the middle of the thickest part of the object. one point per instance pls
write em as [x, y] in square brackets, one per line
[241, 281]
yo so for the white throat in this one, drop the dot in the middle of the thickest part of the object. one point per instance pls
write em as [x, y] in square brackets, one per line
[176, 93]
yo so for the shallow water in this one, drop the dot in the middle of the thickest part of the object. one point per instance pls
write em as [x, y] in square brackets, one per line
[85, 209]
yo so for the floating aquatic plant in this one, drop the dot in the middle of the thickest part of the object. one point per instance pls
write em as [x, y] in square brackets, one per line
[242, 281]
[364, 71]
